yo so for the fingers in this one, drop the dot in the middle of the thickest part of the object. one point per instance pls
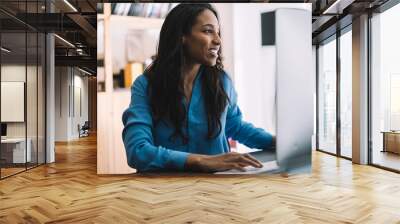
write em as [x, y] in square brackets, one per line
[250, 162]
[245, 158]
[239, 167]
[253, 159]
[234, 160]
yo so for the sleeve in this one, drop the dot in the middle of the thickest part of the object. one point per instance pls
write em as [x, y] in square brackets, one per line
[242, 131]
[137, 135]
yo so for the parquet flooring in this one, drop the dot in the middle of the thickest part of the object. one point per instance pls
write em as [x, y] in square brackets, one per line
[387, 159]
[70, 191]
[10, 171]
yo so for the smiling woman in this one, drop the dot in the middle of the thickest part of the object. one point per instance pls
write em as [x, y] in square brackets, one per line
[183, 108]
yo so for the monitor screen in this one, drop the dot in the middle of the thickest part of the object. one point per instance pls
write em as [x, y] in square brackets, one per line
[3, 129]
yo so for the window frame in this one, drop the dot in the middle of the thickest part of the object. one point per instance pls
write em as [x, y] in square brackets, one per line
[334, 37]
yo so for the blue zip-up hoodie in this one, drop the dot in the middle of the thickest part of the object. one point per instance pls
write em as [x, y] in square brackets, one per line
[150, 148]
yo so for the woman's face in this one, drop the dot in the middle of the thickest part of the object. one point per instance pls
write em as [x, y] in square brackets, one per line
[203, 44]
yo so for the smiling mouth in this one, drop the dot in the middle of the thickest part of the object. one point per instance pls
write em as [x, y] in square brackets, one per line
[213, 52]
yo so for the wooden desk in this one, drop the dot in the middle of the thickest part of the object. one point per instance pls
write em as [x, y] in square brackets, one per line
[391, 141]
[13, 150]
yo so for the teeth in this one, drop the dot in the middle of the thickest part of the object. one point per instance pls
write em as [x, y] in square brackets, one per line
[214, 51]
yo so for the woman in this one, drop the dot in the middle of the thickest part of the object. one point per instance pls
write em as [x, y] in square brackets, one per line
[183, 109]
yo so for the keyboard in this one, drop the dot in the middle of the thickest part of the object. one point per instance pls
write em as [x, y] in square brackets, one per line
[267, 167]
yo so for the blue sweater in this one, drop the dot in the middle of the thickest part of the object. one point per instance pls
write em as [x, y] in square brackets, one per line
[150, 148]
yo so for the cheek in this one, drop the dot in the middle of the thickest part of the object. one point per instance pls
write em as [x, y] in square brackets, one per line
[201, 48]
[194, 50]
[198, 49]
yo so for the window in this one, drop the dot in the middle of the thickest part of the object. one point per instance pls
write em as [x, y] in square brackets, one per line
[385, 89]
[327, 96]
[22, 77]
[346, 92]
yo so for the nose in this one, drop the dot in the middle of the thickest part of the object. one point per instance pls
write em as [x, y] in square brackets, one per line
[217, 39]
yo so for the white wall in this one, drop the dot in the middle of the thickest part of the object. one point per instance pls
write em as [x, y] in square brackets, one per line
[61, 103]
[68, 83]
[33, 127]
[251, 64]
[80, 83]
[14, 73]
[12, 101]
[11, 73]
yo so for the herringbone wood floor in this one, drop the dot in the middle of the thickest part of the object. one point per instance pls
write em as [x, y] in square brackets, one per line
[70, 191]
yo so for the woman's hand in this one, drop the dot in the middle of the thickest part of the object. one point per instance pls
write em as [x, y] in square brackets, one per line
[231, 160]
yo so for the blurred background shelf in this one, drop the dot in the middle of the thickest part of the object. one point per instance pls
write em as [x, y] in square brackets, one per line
[126, 45]
[137, 22]
[153, 10]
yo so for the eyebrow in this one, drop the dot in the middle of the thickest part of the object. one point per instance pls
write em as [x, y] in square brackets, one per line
[209, 25]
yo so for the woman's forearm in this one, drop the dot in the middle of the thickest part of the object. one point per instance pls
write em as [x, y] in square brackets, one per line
[194, 162]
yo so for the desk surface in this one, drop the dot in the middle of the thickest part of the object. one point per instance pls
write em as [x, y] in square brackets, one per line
[390, 132]
[13, 140]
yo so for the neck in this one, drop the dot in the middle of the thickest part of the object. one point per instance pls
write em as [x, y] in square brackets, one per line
[189, 73]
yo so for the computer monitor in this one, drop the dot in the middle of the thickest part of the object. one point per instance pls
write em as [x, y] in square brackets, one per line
[294, 93]
[3, 129]
[295, 85]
